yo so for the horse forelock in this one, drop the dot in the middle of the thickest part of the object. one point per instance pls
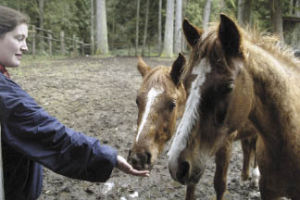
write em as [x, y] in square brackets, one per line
[157, 76]
[205, 47]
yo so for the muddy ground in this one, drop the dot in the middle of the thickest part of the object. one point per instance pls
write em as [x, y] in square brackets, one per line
[97, 96]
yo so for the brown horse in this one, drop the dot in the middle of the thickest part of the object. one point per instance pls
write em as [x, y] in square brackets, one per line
[161, 100]
[234, 77]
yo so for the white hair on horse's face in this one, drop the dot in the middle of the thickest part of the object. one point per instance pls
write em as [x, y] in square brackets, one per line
[191, 114]
[151, 96]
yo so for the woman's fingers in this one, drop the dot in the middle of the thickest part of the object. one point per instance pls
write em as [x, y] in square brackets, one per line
[124, 166]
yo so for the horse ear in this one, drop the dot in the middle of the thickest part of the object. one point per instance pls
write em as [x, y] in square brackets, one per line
[229, 36]
[143, 67]
[192, 33]
[177, 69]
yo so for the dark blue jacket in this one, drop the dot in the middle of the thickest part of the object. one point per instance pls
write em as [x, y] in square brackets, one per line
[31, 138]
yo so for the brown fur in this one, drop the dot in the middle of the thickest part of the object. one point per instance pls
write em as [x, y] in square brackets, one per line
[266, 91]
[154, 139]
[160, 128]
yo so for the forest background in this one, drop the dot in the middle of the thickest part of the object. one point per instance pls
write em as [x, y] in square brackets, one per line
[144, 27]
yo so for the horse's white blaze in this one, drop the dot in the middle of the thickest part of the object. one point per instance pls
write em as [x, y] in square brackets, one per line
[151, 96]
[255, 176]
[191, 114]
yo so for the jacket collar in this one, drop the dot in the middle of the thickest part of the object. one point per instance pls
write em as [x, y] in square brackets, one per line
[4, 71]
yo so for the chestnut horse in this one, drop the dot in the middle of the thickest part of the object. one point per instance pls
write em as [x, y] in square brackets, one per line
[160, 101]
[235, 77]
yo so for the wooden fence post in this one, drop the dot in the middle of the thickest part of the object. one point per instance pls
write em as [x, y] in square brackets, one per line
[62, 42]
[50, 42]
[2, 196]
[82, 48]
[75, 45]
[33, 40]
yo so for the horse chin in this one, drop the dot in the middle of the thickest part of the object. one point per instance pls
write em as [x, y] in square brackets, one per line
[143, 167]
[195, 177]
[149, 167]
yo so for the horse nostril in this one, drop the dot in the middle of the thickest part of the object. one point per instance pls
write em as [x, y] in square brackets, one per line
[129, 155]
[134, 162]
[148, 158]
[132, 159]
[183, 171]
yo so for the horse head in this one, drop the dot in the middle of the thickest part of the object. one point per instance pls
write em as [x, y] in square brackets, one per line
[160, 101]
[219, 98]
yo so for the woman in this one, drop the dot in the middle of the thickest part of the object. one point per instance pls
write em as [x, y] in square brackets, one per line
[31, 137]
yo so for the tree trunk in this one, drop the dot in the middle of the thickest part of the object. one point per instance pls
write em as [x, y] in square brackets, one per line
[276, 18]
[183, 41]
[291, 7]
[295, 34]
[206, 14]
[41, 13]
[145, 28]
[102, 43]
[41, 24]
[92, 28]
[169, 29]
[159, 27]
[137, 27]
[222, 6]
[178, 23]
[244, 12]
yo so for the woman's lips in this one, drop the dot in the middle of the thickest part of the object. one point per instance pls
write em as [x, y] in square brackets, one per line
[19, 56]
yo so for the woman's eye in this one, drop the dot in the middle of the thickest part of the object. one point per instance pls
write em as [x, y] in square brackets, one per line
[19, 37]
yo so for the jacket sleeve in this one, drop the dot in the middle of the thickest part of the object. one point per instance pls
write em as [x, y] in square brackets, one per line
[32, 131]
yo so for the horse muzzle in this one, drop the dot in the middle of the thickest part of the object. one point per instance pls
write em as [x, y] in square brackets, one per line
[182, 172]
[140, 160]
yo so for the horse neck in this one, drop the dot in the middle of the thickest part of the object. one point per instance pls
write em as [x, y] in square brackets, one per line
[276, 106]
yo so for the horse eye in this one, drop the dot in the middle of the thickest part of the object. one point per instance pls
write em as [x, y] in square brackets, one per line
[220, 113]
[225, 89]
[171, 105]
[137, 101]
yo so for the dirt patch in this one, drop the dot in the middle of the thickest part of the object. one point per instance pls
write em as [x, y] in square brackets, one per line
[97, 97]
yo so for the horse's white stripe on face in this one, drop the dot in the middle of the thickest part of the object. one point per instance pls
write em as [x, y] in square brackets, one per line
[191, 114]
[255, 176]
[152, 94]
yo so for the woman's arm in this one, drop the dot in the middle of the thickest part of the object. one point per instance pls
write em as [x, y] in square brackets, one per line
[32, 131]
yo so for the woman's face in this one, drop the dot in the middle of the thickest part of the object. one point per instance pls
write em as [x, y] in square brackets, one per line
[12, 46]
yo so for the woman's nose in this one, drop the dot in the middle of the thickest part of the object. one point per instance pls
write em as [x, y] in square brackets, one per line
[24, 46]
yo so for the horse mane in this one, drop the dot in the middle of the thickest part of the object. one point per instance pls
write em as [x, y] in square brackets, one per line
[272, 44]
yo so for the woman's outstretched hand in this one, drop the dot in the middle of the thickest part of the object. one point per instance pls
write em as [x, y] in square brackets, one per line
[124, 166]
